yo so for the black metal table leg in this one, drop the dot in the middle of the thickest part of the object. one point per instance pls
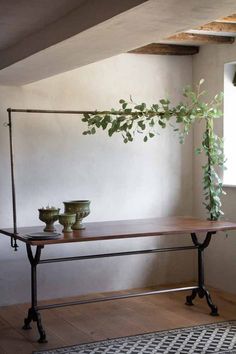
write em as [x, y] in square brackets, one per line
[202, 291]
[33, 313]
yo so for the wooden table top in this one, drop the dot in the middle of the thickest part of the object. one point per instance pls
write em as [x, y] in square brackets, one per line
[108, 230]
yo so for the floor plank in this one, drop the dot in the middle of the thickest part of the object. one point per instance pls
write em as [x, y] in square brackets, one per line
[98, 321]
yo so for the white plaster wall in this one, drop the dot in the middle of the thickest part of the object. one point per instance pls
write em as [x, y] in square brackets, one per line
[220, 260]
[55, 162]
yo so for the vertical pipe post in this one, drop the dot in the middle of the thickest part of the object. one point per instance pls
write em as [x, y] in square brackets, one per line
[12, 180]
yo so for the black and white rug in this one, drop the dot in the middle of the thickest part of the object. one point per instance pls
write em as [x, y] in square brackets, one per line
[205, 339]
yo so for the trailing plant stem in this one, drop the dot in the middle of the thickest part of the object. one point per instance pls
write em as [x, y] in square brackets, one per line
[138, 119]
[209, 128]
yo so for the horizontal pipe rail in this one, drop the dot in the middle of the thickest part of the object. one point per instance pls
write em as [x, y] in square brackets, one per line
[114, 297]
[56, 111]
[117, 254]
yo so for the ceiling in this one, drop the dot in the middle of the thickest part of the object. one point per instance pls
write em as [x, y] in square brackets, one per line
[30, 26]
[42, 38]
[20, 19]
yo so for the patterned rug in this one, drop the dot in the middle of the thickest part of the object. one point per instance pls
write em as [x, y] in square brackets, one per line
[205, 339]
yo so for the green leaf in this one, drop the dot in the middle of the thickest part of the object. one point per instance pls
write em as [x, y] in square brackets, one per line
[143, 106]
[141, 125]
[110, 132]
[155, 107]
[179, 119]
[152, 122]
[104, 123]
[124, 127]
[86, 117]
[129, 136]
[140, 107]
[162, 124]
[198, 151]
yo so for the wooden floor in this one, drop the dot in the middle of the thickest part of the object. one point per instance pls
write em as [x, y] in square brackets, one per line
[98, 321]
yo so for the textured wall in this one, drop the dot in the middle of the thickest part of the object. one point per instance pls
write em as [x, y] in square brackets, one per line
[220, 260]
[55, 162]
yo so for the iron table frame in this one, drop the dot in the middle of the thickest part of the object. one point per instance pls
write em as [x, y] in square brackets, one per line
[35, 260]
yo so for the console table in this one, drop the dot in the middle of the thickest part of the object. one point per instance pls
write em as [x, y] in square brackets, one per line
[113, 230]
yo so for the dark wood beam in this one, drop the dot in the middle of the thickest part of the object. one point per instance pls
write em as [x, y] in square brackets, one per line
[219, 27]
[166, 49]
[201, 38]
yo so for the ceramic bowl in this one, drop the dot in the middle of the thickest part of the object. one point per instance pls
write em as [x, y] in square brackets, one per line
[67, 220]
[79, 207]
[49, 216]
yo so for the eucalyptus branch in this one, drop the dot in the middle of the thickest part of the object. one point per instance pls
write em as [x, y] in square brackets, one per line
[135, 119]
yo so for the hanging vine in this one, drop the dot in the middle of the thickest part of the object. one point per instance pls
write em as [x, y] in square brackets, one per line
[133, 119]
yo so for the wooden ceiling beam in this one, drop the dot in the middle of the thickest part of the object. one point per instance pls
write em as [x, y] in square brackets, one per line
[218, 27]
[228, 19]
[166, 49]
[201, 38]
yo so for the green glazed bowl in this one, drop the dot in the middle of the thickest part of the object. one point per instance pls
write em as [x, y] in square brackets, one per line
[49, 216]
[67, 220]
[79, 207]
